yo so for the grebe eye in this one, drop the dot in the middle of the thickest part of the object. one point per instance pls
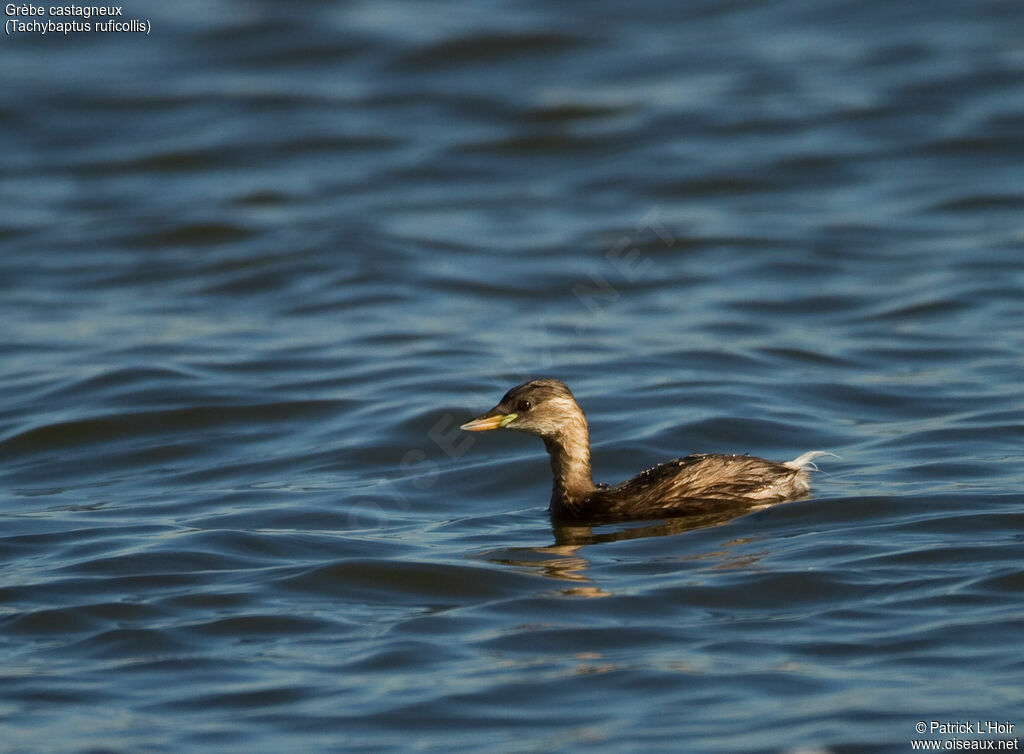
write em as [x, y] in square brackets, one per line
[524, 405]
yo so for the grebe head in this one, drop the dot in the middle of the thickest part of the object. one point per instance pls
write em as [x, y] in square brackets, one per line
[544, 407]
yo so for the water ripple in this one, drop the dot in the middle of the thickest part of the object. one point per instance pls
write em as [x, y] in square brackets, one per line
[258, 272]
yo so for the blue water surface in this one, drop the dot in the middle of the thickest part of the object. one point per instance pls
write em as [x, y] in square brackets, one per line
[259, 264]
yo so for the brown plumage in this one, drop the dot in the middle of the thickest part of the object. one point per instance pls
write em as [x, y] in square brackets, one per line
[696, 483]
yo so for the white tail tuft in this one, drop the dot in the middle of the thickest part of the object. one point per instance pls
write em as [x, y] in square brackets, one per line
[806, 461]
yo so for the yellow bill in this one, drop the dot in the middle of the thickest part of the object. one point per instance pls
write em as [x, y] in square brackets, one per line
[494, 421]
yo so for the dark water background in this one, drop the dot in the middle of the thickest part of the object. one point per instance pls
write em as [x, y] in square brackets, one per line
[258, 265]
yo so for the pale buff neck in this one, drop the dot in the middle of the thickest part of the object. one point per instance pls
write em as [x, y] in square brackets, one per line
[569, 451]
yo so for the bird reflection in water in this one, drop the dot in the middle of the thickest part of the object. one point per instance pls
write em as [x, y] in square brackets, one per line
[564, 560]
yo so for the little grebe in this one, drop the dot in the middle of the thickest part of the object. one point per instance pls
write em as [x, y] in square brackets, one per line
[547, 408]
